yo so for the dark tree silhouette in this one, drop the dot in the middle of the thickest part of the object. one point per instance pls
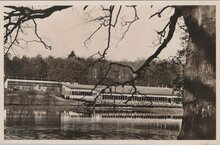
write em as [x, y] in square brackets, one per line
[199, 101]
[199, 120]
[72, 54]
[16, 16]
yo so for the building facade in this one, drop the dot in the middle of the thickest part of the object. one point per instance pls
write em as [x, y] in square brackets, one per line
[121, 96]
[37, 85]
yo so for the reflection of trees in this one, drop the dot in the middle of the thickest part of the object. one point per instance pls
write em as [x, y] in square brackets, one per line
[52, 118]
[16, 116]
[199, 102]
[28, 116]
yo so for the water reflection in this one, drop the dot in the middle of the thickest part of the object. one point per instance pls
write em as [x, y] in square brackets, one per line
[50, 123]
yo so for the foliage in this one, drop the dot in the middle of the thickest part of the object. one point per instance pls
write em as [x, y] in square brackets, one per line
[70, 70]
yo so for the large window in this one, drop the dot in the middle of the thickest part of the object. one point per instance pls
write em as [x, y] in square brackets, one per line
[81, 93]
[13, 84]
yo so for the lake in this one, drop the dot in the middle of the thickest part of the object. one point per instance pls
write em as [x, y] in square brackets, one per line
[48, 123]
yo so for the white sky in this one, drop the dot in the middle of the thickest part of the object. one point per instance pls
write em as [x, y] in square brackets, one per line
[66, 30]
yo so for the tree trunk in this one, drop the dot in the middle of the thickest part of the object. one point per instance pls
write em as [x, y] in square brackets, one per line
[199, 102]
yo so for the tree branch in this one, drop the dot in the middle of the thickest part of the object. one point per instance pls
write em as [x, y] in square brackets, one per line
[19, 15]
[161, 11]
[40, 39]
[172, 25]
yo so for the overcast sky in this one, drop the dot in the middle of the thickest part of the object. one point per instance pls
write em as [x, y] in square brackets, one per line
[67, 30]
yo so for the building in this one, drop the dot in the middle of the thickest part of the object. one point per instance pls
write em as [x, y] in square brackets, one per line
[118, 95]
[122, 96]
[38, 85]
[78, 91]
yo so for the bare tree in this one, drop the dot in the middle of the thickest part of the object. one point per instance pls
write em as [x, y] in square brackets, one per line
[199, 100]
[110, 23]
[17, 16]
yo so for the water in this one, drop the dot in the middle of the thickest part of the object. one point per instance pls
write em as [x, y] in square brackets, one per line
[52, 123]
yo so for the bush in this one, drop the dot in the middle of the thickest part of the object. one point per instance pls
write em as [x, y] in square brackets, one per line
[32, 92]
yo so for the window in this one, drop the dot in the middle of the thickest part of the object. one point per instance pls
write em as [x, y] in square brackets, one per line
[80, 93]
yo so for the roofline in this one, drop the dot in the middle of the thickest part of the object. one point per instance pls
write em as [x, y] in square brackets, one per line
[37, 81]
[113, 86]
[143, 94]
[72, 88]
[67, 85]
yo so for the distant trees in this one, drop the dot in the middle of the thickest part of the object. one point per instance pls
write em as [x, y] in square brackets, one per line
[199, 120]
[162, 73]
[72, 54]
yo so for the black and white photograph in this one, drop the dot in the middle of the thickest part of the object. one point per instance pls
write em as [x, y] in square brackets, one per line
[109, 71]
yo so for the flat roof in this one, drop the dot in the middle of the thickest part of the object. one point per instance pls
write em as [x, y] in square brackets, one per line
[126, 89]
[30, 81]
[82, 86]
[114, 89]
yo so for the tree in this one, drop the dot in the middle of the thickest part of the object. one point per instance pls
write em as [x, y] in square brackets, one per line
[17, 16]
[199, 100]
[40, 67]
[72, 54]
[199, 121]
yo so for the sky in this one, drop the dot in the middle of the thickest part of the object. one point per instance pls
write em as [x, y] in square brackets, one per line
[67, 30]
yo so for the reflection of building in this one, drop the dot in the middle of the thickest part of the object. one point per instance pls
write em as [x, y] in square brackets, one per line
[38, 85]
